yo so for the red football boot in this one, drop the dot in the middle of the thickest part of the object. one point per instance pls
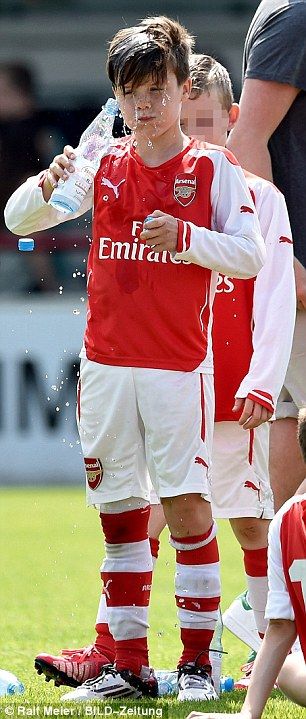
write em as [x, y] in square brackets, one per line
[73, 666]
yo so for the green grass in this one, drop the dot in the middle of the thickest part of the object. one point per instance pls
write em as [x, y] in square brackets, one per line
[51, 550]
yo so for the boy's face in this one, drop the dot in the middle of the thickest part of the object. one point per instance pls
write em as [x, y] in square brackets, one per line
[150, 109]
[205, 119]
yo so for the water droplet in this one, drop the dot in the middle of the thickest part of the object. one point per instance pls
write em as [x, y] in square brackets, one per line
[76, 311]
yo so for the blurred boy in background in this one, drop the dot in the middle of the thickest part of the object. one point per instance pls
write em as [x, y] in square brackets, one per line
[252, 337]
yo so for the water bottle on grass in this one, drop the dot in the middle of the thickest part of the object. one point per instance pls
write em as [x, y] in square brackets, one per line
[216, 653]
[9, 684]
[167, 682]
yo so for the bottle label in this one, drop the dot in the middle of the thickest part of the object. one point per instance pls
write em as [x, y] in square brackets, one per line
[69, 195]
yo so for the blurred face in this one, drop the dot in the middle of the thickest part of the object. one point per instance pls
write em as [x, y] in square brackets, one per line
[205, 119]
[151, 110]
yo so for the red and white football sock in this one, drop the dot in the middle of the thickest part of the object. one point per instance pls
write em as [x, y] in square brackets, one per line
[154, 546]
[127, 578]
[256, 569]
[104, 640]
[197, 593]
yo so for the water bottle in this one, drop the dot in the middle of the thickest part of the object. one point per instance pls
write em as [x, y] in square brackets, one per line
[167, 682]
[69, 194]
[216, 652]
[226, 684]
[9, 684]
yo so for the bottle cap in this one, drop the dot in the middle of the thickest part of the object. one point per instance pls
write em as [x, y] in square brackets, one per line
[26, 244]
[150, 217]
[228, 684]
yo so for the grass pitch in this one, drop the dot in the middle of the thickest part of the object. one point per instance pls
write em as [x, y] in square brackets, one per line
[51, 551]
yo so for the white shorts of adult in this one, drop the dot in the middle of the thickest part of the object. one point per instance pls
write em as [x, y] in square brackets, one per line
[293, 394]
[240, 476]
[134, 419]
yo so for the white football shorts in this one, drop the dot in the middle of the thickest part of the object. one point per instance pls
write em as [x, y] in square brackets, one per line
[240, 474]
[134, 419]
[293, 394]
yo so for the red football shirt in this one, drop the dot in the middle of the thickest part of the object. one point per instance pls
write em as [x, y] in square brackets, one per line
[254, 320]
[293, 547]
[287, 566]
[169, 296]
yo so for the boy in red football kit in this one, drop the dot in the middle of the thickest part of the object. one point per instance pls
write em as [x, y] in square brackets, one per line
[210, 112]
[146, 390]
[285, 611]
[252, 337]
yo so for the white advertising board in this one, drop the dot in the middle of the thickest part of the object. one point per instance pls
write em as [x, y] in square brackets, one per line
[40, 342]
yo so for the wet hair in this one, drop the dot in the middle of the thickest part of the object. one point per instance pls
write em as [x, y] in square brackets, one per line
[302, 431]
[149, 50]
[208, 74]
[19, 76]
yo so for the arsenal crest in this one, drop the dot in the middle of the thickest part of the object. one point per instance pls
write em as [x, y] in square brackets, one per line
[184, 189]
[94, 472]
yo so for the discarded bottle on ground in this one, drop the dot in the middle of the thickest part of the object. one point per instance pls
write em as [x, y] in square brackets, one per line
[9, 684]
[167, 682]
[216, 653]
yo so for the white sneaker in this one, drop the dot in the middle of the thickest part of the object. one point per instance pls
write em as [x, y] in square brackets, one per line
[239, 619]
[114, 684]
[195, 683]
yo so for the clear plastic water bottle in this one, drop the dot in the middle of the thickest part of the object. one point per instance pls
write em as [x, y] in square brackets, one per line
[167, 682]
[9, 684]
[226, 684]
[216, 653]
[69, 194]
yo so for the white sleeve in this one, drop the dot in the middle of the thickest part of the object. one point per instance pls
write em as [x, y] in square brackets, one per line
[26, 210]
[274, 306]
[278, 603]
[234, 245]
